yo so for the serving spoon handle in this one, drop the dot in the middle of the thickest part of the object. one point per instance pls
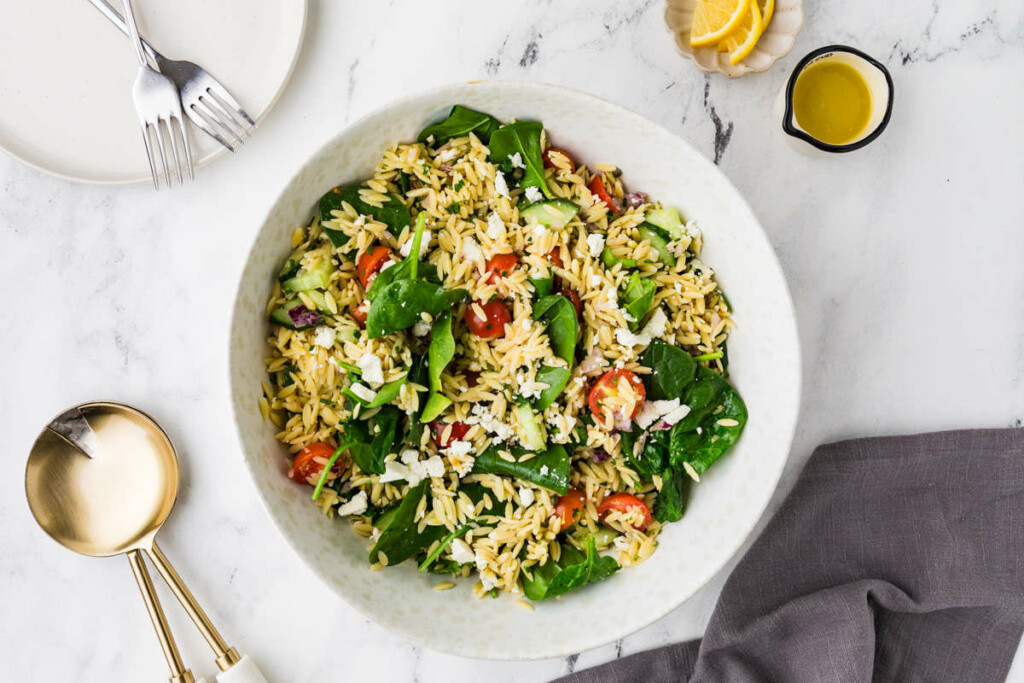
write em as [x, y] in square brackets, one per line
[234, 668]
[179, 674]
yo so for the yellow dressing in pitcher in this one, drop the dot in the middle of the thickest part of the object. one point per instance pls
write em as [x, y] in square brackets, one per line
[832, 102]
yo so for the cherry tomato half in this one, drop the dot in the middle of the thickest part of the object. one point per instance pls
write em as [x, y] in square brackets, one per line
[550, 163]
[625, 502]
[500, 265]
[555, 256]
[458, 430]
[492, 325]
[568, 508]
[306, 468]
[370, 262]
[608, 386]
[359, 314]
[598, 188]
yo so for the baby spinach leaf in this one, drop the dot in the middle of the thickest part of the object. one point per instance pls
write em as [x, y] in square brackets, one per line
[393, 213]
[637, 298]
[670, 504]
[672, 371]
[700, 442]
[400, 271]
[522, 137]
[652, 458]
[402, 540]
[573, 570]
[461, 121]
[440, 353]
[401, 304]
[542, 286]
[360, 440]
[549, 468]
[385, 430]
[556, 378]
[388, 393]
[559, 315]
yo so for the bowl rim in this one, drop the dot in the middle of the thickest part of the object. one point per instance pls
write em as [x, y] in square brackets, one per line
[788, 429]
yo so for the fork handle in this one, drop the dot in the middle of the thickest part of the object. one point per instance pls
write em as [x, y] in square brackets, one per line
[133, 32]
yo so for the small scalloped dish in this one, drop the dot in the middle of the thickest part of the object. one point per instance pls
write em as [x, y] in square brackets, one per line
[775, 42]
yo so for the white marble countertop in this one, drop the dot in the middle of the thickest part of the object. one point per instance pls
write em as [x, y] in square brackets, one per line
[904, 262]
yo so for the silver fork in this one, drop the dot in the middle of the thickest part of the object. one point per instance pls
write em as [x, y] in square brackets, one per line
[205, 101]
[158, 108]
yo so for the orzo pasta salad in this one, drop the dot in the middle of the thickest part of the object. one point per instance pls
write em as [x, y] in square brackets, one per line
[499, 363]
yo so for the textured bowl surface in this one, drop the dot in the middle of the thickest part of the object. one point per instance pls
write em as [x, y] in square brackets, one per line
[725, 506]
[775, 43]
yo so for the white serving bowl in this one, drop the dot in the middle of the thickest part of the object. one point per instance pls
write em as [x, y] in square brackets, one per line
[765, 367]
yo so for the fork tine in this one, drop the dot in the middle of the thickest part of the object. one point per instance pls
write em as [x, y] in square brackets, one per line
[202, 107]
[149, 156]
[200, 120]
[184, 142]
[228, 103]
[174, 149]
[163, 153]
[223, 117]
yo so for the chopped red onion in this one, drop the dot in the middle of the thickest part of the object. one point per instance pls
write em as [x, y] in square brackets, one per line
[446, 168]
[661, 424]
[635, 200]
[623, 423]
[600, 455]
[303, 317]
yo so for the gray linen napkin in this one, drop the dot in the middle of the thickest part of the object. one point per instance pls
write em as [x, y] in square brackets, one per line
[893, 559]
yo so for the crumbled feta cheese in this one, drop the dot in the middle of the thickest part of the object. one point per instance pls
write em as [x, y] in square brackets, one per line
[355, 506]
[500, 185]
[595, 243]
[657, 325]
[628, 339]
[471, 250]
[534, 194]
[652, 410]
[677, 414]
[595, 280]
[390, 262]
[370, 366]
[487, 583]
[409, 456]
[461, 552]
[481, 561]
[481, 415]
[516, 160]
[395, 471]
[526, 496]
[495, 226]
[434, 466]
[544, 470]
[324, 337]
[541, 230]
[421, 329]
[424, 245]
[459, 448]
[612, 296]
[363, 392]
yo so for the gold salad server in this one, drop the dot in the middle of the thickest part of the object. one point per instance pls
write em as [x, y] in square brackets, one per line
[101, 480]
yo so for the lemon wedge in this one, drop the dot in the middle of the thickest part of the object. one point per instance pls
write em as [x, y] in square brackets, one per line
[767, 8]
[742, 40]
[715, 19]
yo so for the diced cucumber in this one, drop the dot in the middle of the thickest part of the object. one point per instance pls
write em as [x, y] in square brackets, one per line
[305, 280]
[281, 315]
[609, 260]
[668, 220]
[530, 434]
[291, 266]
[551, 213]
[659, 242]
[603, 537]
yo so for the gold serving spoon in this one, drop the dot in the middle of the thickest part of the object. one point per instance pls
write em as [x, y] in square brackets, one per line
[101, 479]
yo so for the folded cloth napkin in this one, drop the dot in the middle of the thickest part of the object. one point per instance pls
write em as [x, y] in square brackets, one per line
[893, 559]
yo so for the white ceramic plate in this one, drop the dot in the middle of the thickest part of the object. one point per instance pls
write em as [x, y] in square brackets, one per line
[775, 43]
[764, 359]
[67, 76]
